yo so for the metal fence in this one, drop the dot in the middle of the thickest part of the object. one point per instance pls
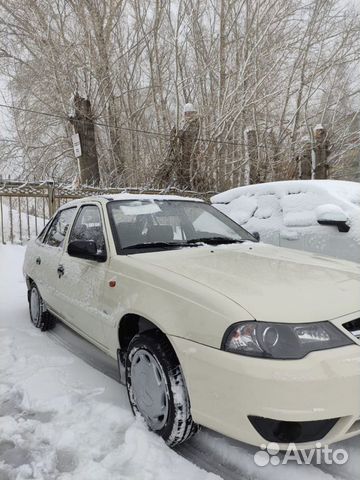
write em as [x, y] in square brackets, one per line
[25, 207]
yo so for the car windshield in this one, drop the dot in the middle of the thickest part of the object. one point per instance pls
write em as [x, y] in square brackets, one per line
[142, 225]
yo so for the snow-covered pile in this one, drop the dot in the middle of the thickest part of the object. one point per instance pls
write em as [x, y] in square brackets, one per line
[59, 418]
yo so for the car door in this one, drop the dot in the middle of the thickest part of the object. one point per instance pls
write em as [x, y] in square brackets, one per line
[82, 281]
[47, 256]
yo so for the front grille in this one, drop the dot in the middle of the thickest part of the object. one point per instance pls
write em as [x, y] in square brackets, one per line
[353, 327]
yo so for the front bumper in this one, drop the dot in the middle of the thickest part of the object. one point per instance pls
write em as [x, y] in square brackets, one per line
[226, 389]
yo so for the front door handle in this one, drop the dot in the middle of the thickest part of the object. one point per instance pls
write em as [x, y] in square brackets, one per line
[60, 270]
[38, 260]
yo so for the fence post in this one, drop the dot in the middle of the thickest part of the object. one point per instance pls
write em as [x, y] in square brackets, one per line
[11, 221]
[51, 198]
[2, 221]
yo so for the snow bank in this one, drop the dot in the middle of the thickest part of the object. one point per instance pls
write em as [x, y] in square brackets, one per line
[61, 419]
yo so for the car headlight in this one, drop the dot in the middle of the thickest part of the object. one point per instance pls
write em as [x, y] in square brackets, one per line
[282, 341]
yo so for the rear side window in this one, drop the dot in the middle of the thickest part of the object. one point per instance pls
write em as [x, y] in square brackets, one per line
[55, 235]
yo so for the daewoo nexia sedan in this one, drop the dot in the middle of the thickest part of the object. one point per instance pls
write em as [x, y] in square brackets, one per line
[209, 326]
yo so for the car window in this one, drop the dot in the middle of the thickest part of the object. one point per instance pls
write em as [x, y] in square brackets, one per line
[207, 224]
[145, 222]
[56, 234]
[134, 220]
[88, 226]
[43, 232]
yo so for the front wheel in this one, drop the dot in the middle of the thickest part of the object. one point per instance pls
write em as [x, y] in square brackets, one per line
[39, 316]
[157, 389]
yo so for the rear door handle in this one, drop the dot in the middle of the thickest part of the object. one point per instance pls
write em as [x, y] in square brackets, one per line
[61, 270]
[38, 260]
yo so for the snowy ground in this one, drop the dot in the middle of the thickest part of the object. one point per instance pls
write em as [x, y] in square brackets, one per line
[62, 419]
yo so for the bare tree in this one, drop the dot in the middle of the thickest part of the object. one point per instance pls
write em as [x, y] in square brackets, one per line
[280, 67]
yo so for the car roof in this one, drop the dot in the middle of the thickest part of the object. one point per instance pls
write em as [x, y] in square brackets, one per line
[129, 196]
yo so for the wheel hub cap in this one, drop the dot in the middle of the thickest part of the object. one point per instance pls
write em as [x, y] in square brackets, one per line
[150, 389]
[35, 305]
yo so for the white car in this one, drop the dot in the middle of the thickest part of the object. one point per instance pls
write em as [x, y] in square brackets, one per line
[320, 216]
[209, 326]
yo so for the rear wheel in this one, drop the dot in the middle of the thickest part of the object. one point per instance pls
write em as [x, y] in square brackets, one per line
[39, 316]
[157, 389]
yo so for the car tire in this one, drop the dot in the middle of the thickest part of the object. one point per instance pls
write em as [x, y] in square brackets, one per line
[40, 317]
[157, 389]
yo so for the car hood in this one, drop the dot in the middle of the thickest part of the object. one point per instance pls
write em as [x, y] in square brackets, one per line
[273, 284]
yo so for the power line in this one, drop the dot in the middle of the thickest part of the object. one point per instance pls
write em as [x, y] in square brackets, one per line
[128, 129]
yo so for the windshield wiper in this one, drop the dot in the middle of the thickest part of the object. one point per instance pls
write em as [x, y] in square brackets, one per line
[158, 245]
[215, 240]
[194, 242]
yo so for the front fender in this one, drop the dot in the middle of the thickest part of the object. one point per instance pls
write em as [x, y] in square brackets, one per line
[178, 306]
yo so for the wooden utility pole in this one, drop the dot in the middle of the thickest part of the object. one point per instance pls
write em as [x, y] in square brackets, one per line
[250, 141]
[188, 137]
[83, 124]
[305, 162]
[179, 166]
[313, 159]
[51, 198]
[164, 176]
[320, 153]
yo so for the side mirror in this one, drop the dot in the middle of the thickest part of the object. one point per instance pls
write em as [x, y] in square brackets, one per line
[330, 214]
[85, 249]
[256, 235]
[340, 224]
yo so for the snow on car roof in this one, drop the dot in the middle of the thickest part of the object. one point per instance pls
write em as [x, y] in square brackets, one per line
[343, 190]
